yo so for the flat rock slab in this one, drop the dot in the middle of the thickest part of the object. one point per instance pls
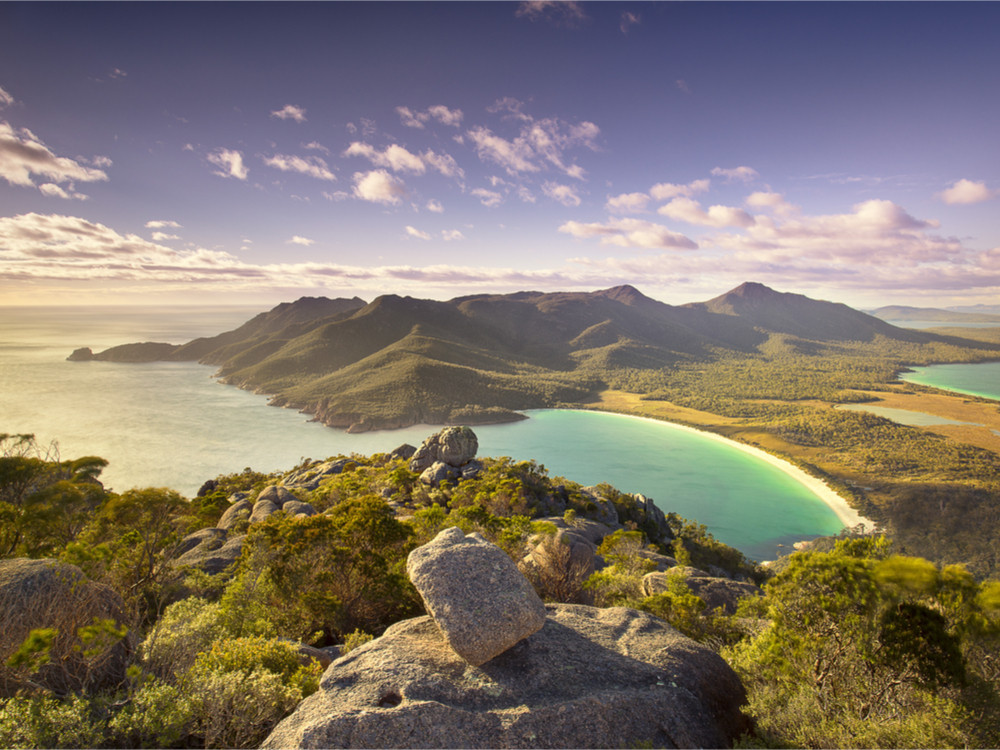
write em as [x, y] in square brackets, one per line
[474, 592]
[590, 678]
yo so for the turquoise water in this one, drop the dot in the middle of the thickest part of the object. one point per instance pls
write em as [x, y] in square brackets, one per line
[173, 425]
[980, 379]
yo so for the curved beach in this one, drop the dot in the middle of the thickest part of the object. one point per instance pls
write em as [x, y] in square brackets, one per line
[847, 515]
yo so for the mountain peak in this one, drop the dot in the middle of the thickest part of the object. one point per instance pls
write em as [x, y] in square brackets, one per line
[626, 294]
[751, 290]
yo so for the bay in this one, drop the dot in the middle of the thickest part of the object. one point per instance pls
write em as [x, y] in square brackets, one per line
[174, 425]
[979, 379]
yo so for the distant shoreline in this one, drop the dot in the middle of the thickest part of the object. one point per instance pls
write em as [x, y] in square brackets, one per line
[836, 502]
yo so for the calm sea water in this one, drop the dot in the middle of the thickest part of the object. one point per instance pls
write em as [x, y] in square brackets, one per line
[173, 425]
[980, 379]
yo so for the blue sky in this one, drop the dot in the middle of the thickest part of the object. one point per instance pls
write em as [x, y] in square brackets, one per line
[256, 152]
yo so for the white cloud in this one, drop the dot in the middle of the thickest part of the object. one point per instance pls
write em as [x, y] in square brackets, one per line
[162, 224]
[630, 233]
[297, 240]
[682, 85]
[117, 73]
[102, 162]
[514, 156]
[52, 190]
[666, 190]
[627, 203]
[414, 232]
[230, 163]
[395, 157]
[312, 166]
[743, 174]
[22, 155]
[562, 193]
[316, 146]
[446, 116]
[966, 191]
[538, 144]
[412, 119]
[451, 235]
[435, 206]
[488, 198]
[290, 112]
[378, 186]
[5, 99]
[768, 201]
[443, 163]
[690, 211]
[160, 236]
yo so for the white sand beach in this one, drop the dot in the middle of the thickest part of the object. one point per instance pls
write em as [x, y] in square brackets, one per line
[847, 515]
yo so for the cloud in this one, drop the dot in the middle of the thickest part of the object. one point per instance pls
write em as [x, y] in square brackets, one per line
[52, 190]
[316, 146]
[22, 154]
[630, 233]
[312, 166]
[290, 112]
[5, 99]
[435, 206]
[682, 85]
[488, 198]
[966, 191]
[230, 163]
[443, 163]
[162, 224]
[743, 174]
[627, 203]
[629, 20]
[451, 235]
[666, 190]
[690, 211]
[446, 116]
[414, 232]
[768, 201]
[538, 144]
[395, 157]
[562, 193]
[160, 236]
[378, 186]
[560, 12]
[297, 240]
[117, 73]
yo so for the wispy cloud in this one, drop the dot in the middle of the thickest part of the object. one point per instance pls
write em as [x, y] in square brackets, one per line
[394, 157]
[630, 232]
[414, 232]
[560, 12]
[298, 240]
[451, 235]
[230, 163]
[438, 112]
[690, 211]
[666, 190]
[22, 155]
[161, 236]
[290, 112]
[54, 191]
[435, 206]
[162, 224]
[564, 194]
[488, 198]
[627, 203]
[628, 20]
[312, 166]
[741, 174]
[5, 99]
[966, 191]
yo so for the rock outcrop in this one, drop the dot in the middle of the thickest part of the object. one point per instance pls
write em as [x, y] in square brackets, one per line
[589, 678]
[714, 591]
[477, 596]
[452, 445]
[37, 594]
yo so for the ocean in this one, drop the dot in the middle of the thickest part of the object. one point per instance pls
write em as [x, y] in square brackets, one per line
[174, 425]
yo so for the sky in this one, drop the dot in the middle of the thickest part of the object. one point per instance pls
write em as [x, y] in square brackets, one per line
[253, 153]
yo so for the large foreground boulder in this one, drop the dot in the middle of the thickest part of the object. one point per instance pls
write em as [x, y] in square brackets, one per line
[589, 678]
[37, 594]
[455, 446]
[475, 593]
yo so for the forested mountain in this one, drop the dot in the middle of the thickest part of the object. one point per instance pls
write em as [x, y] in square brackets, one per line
[398, 360]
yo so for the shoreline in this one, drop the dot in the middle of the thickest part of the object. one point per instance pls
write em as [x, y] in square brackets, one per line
[832, 499]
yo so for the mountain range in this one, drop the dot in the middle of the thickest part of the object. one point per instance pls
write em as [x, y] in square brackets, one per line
[398, 361]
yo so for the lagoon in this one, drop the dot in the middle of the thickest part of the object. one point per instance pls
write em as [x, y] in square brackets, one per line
[979, 379]
[173, 425]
